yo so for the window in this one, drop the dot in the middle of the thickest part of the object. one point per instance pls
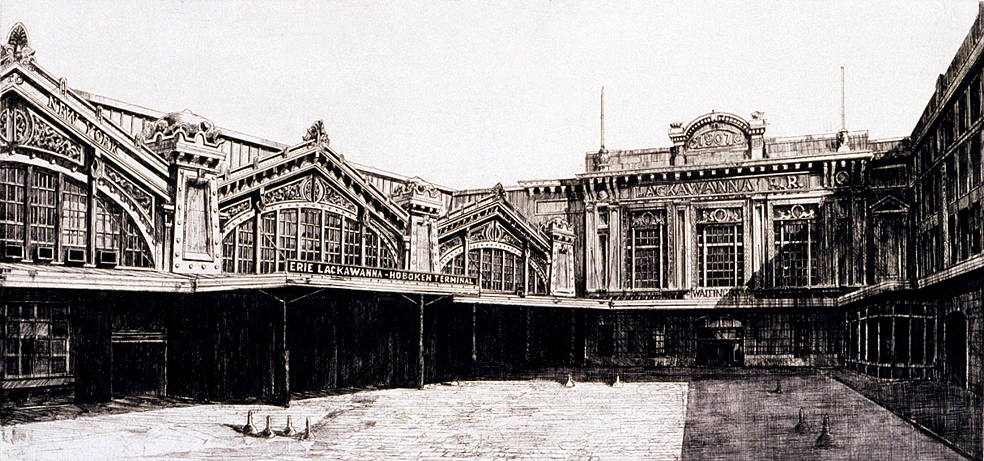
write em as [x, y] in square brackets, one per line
[333, 238]
[796, 248]
[353, 243]
[37, 341]
[501, 270]
[648, 249]
[244, 247]
[268, 242]
[720, 248]
[74, 215]
[108, 216]
[12, 204]
[287, 227]
[307, 234]
[136, 253]
[43, 204]
[310, 245]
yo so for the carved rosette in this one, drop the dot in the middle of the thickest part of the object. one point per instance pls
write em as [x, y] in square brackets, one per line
[15, 126]
[309, 189]
[493, 232]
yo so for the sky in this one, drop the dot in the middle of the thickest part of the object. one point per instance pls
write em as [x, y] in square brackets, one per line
[468, 94]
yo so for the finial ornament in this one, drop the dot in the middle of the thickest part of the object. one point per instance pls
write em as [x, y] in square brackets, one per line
[317, 133]
[18, 46]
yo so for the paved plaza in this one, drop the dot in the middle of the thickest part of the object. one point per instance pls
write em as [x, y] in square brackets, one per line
[724, 418]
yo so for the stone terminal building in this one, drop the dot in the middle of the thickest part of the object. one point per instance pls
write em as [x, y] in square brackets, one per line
[156, 252]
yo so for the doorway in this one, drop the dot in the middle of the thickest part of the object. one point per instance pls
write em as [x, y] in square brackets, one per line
[720, 342]
[955, 331]
[139, 363]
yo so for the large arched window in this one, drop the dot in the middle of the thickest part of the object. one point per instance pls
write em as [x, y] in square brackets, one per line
[497, 269]
[307, 234]
[41, 209]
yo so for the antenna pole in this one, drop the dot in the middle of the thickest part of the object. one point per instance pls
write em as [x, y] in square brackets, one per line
[843, 116]
[602, 118]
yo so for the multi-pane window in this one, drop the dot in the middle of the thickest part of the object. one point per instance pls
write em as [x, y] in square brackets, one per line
[37, 340]
[648, 249]
[107, 225]
[501, 270]
[268, 242]
[244, 247]
[796, 246]
[229, 252]
[74, 215]
[115, 231]
[44, 200]
[720, 247]
[50, 204]
[307, 234]
[456, 266]
[287, 229]
[372, 248]
[135, 250]
[12, 204]
[310, 243]
[333, 238]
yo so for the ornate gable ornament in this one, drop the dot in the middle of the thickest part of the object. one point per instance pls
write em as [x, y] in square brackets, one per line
[418, 195]
[317, 133]
[185, 122]
[18, 47]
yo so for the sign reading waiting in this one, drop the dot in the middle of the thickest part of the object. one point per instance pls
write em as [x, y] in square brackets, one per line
[319, 268]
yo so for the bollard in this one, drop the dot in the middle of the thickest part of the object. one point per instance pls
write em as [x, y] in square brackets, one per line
[778, 389]
[826, 440]
[570, 381]
[307, 429]
[249, 428]
[289, 430]
[267, 432]
[618, 382]
[801, 427]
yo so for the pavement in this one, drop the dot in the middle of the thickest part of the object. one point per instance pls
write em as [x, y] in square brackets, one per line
[701, 418]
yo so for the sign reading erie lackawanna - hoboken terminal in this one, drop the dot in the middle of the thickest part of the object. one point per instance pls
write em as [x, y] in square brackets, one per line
[320, 268]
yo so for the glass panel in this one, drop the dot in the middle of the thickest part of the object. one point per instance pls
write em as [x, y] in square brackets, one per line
[107, 225]
[244, 247]
[310, 245]
[43, 203]
[333, 238]
[721, 256]
[74, 215]
[268, 242]
[287, 228]
[12, 204]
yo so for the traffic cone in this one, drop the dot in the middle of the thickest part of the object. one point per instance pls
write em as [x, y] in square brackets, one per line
[249, 428]
[801, 427]
[267, 432]
[618, 382]
[289, 430]
[826, 440]
[570, 381]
